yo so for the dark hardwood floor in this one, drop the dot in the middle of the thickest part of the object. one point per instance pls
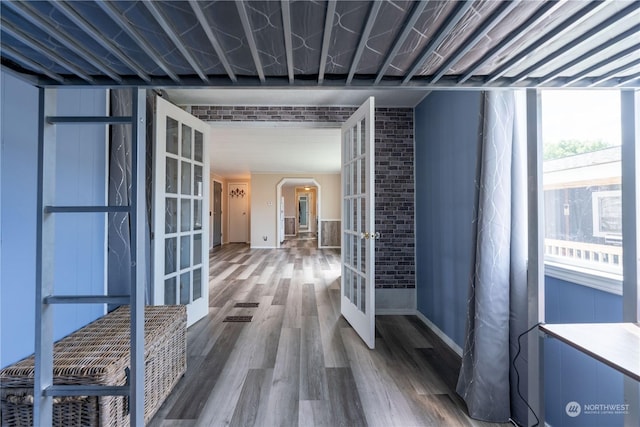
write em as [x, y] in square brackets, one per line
[298, 362]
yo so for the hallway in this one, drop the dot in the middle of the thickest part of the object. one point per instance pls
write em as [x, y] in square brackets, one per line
[297, 362]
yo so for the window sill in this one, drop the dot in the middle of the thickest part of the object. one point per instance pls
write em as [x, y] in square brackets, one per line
[602, 281]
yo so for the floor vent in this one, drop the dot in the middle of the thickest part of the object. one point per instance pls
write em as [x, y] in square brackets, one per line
[247, 304]
[238, 319]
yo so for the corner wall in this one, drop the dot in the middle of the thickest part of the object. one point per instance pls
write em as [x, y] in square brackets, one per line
[448, 130]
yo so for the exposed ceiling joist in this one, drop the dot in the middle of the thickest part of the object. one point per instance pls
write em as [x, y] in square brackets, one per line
[151, 52]
[368, 26]
[501, 11]
[288, 43]
[603, 26]
[175, 39]
[326, 39]
[96, 35]
[624, 81]
[540, 14]
[197, 10]
[617, 70]
[39, 47]
[248, 32]
[564, 27]
[452, 20]
[25, 10]
[583, 74]
[417, 10]
[24, 61]
[600, 48]
[162, 43]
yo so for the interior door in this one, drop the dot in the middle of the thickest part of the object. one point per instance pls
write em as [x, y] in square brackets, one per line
[181, 206]
[217, 214]
[358, 234]
[238, 218]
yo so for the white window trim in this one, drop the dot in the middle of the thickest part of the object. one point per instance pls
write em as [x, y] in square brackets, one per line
[600, 280]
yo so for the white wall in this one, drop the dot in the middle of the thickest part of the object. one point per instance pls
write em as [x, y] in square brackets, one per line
[264, 206]
[80, 239]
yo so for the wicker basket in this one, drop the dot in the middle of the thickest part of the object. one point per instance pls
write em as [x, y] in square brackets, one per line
[98, 354]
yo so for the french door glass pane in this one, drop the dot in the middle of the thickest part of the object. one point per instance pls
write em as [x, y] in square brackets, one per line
[185, 178]
[185, 215]
[197, 214]
[186, 141]
[172, 136]
[354, 142]
[354, 293]
[363, 295]
[171, 215]
[197, 283]
[347, 282]
[197, 180]
[197, 249]
[185, 251]
[197, 149]
[185, 287]
[170, 247]
[171, 176]
[363, 131]
[170, 291]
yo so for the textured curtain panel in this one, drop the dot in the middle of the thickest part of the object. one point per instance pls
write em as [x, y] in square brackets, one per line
[119, 260]
[497, 297]
[119, 234]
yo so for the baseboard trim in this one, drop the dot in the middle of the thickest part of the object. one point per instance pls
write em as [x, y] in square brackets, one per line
[448, 341]
[395, 312]
[263, 247]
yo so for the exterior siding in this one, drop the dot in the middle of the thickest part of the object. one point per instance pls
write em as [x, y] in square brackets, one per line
[395, 255]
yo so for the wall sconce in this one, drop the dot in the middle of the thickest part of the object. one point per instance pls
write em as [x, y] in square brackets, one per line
[237, 192]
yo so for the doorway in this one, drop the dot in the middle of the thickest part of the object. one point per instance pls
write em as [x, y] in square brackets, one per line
[296, 198]
[303, 213]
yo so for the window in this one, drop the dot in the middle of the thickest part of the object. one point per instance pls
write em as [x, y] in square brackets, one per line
[582, 180]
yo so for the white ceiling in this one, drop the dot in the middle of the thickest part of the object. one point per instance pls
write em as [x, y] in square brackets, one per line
[236, 152]
[313, 95]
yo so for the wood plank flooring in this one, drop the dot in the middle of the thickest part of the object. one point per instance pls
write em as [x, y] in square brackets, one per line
[298, 362]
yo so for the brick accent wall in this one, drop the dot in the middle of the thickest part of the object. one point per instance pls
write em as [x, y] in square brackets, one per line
[395, 254]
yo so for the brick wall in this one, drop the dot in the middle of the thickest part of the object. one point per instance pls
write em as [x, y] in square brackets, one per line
[395, 260]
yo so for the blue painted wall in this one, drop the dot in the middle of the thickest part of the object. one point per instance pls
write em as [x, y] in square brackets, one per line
[447, 129]
[571, 375]
[80, 239]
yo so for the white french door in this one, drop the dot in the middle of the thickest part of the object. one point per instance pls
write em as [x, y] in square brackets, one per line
[181, 210]
[358, 221]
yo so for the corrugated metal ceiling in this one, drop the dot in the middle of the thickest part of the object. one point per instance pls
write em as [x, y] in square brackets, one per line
[330, 43]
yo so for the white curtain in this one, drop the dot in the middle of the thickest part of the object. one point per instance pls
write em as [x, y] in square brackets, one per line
[497, 297]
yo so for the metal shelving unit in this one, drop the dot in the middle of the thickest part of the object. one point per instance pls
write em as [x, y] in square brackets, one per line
[44, 390]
